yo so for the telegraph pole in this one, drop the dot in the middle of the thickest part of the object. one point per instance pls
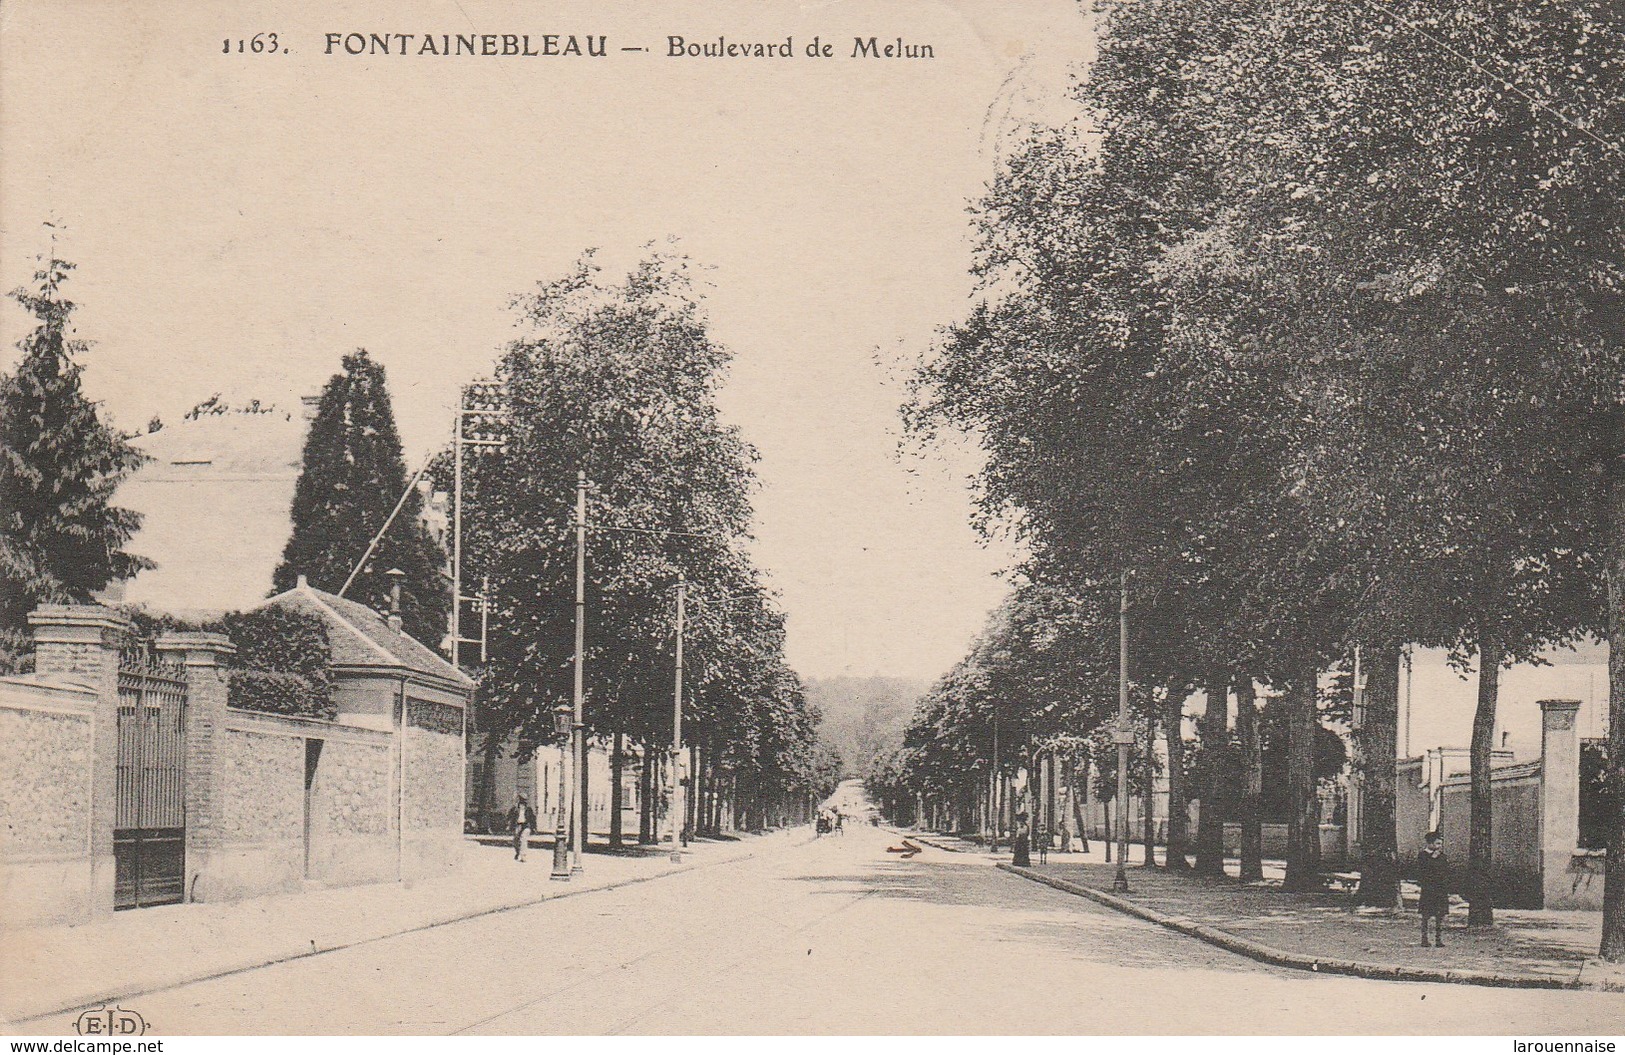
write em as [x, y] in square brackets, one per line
[578, 725]
[677, 737]
[1124, 736]
[457, 532]
[479, 402]
[996, 810]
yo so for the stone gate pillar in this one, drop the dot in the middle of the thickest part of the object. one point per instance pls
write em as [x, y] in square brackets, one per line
[1559, 799]
[204, 658]
[80, 643]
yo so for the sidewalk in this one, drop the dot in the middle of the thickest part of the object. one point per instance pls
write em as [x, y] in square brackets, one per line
[1327, 932]
[52, 969]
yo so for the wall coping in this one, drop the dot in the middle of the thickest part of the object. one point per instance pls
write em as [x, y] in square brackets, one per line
[64, 615]
[1518, 771]
[418, 678]
[190, 641]
[31, 695]
[292, 725]
[48, 683]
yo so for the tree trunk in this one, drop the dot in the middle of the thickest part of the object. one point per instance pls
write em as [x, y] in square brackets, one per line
[488, 776]
[1303, 818]
[1480, 825]
[1082, 793]
[586, 803]
[1613, 896]
[1252, 781]
[1052, 769]
[1148, 796]
[646, 797]
[691, 800]
[704, 791]
[993, 814]
[1215, 742]
[1376, 744]
[719, 805]
[617, 769]
[1069, 787]
[1038, 796]
[1173, 731]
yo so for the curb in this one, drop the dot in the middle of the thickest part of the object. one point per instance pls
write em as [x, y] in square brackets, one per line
[103, 997]
[1254, 950]
[932, 842]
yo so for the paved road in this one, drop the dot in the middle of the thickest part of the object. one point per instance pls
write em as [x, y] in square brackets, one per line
[835, 936]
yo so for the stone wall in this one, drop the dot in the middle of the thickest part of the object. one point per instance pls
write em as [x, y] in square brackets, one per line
[264, 787]
[433, 808]
[261, 847]
[353, 821]
[1412, 810]
[46, 749]
[269, 844]
[44, 798]
[1515, 819]
[355, 782]
[272, 802]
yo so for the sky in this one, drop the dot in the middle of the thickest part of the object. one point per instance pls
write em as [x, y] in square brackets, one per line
[240, 221]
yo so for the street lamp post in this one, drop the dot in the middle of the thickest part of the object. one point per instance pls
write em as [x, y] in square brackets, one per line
[561, 827]
[1124, 735]
[677, 804]
[578, 724]
[995, 791]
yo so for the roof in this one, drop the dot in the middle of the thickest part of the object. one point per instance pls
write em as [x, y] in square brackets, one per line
[215, 503]
[231, 444]
[360, 637]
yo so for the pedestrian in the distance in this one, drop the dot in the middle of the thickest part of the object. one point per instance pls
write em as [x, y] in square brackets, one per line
[521, 821]
[1433, 873]
[1021, 848]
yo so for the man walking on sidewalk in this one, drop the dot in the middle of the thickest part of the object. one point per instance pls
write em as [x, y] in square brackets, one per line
[521, 821]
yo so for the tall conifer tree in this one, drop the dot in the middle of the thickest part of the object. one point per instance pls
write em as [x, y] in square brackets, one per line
[353, 474]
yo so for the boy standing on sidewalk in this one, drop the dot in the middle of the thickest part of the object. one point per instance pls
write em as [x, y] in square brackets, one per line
[1433, 873]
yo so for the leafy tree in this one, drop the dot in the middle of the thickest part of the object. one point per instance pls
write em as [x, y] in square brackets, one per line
[61, 538]
[351, 478]
[617, 380]
[1115, 441]
[1422, 243]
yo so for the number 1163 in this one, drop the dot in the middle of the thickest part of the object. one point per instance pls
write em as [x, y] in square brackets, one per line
[258, 44]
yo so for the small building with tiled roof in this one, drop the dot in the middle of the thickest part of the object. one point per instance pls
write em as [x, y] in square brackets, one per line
[387, 681]
[368, 646]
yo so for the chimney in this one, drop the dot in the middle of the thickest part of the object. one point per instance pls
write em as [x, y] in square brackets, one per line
[310, 404]
[302, 583]
[395, 577]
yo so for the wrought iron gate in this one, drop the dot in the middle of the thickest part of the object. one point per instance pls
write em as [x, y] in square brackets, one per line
[149, 834]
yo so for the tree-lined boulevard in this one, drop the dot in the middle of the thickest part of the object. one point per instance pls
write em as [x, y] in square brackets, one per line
[829, 936]
[1290, 348]
[1298, 348]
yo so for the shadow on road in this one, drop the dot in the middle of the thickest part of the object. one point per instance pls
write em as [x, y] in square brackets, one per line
[1035, 916]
